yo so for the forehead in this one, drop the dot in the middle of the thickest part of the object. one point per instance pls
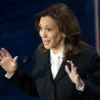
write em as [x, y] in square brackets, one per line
[47, 21]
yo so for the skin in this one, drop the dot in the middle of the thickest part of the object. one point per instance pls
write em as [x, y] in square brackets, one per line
[50, 34]
[52, 39]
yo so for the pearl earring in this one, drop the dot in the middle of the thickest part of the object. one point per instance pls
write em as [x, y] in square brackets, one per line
[63, 35]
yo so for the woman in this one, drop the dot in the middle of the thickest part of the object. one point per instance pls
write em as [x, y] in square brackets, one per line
[65, 66]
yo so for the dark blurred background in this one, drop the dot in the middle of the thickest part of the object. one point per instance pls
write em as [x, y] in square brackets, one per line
[19, 37]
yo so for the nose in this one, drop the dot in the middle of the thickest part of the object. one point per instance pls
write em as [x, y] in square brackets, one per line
[43, 34]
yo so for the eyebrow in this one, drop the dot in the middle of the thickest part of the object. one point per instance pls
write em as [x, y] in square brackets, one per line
[45, 25]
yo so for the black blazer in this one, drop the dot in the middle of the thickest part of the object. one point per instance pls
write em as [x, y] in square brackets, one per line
[61, 88]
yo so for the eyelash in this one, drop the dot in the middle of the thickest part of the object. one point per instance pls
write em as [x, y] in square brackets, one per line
[49, 29]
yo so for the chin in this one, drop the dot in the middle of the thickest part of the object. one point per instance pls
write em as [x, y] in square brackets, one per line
[47, 47]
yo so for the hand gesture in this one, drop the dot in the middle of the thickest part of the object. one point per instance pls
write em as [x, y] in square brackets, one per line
[74, 76]
[8, 63]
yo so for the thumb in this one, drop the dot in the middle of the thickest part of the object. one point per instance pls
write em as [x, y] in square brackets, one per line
[15, 58]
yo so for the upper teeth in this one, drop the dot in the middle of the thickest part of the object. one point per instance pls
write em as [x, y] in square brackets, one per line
[46, 42]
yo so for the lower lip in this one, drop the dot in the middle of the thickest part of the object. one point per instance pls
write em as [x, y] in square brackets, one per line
[46, 43]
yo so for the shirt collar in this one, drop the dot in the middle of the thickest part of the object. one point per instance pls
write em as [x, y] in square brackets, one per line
[60, 54]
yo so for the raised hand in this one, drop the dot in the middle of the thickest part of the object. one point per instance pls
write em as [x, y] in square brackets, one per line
[8, 63]
[74, 76]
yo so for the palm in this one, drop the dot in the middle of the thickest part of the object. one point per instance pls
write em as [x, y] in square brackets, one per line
[7, 62]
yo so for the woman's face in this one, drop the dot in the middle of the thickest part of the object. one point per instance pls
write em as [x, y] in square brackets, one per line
[49, 33]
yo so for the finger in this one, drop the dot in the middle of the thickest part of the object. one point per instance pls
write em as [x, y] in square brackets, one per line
[73, 68]
[72, 65]
[0, 58]
[67, 69]
[74, 71]
[15, 58]
[2, 53]
[6, 52]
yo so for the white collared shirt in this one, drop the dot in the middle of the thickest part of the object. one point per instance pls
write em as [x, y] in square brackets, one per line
[56, 60]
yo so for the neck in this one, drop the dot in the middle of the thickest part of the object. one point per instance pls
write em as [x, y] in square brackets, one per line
[57, 49]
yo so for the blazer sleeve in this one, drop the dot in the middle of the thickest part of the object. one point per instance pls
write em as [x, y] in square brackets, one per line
[23, 82]
[92, 81]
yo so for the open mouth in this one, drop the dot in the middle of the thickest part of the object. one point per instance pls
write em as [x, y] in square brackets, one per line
[46, 42]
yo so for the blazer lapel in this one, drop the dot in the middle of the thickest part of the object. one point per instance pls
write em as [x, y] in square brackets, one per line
[47, 65]
[61, 71]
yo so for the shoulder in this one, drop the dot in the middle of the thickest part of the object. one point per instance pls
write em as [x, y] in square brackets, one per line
[87, 58]
[42, 56]
[89, 55]
[86, 50]
[40, 53]
[89, 52]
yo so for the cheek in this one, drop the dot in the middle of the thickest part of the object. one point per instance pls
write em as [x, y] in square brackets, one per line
[56, 39]
[40, 34]
[53, 36]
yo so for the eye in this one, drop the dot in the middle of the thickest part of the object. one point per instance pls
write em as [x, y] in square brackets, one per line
[49, 29]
